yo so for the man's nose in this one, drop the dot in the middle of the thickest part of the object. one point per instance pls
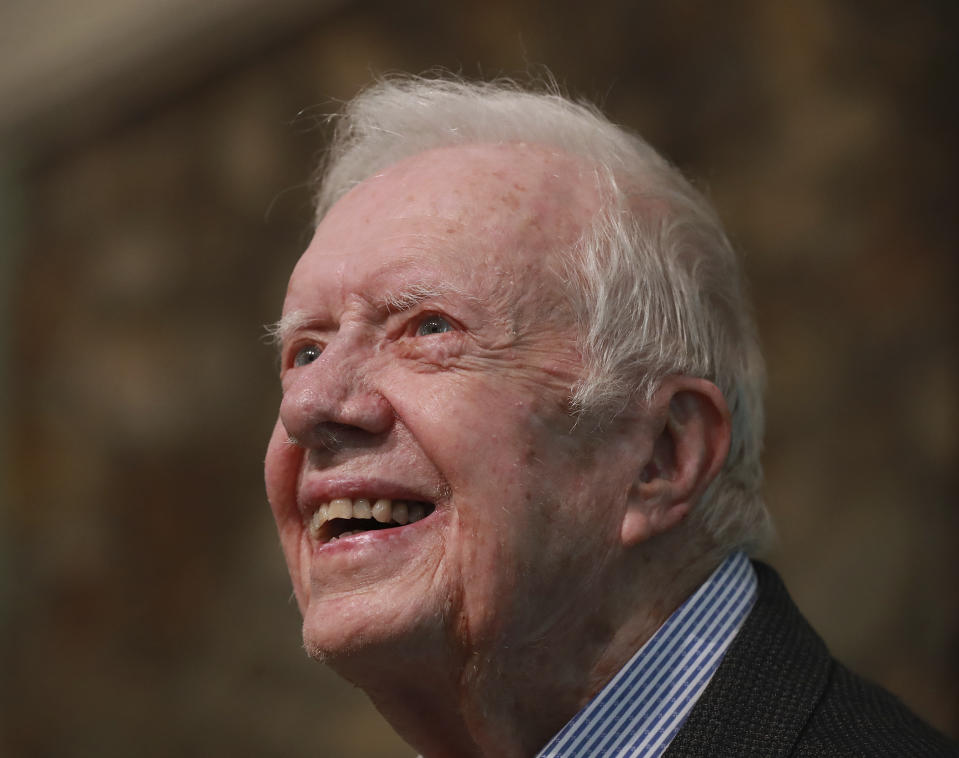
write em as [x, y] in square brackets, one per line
[330, 404]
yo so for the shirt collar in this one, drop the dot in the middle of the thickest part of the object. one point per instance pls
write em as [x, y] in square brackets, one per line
[637, 714]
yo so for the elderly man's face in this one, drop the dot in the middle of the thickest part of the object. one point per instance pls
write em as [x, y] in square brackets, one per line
[427, 360]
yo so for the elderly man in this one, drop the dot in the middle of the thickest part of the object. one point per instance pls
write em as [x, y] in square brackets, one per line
[516, 467]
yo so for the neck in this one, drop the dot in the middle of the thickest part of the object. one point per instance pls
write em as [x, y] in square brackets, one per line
[507, 698]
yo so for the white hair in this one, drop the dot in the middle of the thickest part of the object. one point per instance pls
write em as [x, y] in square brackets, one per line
[654, 282]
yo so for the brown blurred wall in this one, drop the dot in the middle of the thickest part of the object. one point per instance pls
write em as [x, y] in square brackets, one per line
[145, 606]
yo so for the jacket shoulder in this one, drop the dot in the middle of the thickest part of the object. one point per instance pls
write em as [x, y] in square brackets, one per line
[778, 693]
[858, 718]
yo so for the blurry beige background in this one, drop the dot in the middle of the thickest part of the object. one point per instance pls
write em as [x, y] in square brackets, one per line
[153, 198]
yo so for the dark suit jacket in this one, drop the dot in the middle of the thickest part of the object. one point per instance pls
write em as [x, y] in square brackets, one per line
[778, 692]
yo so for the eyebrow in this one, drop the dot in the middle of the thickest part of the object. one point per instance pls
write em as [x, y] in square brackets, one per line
[412, 292]
[409, 296]
[279, 331]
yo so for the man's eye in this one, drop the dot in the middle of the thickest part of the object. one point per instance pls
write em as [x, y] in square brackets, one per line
[433, 325]
[306, 354]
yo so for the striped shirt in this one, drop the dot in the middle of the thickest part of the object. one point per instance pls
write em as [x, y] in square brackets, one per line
[639, 712]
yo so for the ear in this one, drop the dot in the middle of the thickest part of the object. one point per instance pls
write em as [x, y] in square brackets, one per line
[689, 426]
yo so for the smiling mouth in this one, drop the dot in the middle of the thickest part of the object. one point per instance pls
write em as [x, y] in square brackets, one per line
[345, 516]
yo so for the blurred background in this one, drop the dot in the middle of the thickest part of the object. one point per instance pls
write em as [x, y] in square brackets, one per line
[154, 160]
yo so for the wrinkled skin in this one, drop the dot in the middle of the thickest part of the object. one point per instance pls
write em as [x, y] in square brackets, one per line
[456, 394]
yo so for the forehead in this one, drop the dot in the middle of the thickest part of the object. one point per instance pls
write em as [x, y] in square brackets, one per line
[507, 208]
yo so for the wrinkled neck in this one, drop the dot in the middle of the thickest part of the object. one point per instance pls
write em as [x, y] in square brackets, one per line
[509, 696]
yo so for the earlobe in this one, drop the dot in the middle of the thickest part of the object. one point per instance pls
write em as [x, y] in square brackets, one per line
[690, 440]
[642, 523]
[652, 508]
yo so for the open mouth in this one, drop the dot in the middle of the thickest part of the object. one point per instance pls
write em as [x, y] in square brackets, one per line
[344, 516]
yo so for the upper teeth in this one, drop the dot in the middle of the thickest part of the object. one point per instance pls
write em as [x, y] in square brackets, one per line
[383, 510]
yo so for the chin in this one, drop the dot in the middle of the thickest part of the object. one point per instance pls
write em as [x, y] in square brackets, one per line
[356, 628]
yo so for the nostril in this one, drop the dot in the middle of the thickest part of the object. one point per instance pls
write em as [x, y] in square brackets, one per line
[332, 435]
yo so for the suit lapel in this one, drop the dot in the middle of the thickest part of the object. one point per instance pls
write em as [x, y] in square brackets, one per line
[766, 688]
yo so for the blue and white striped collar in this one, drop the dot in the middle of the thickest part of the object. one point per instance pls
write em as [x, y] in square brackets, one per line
[639, 712]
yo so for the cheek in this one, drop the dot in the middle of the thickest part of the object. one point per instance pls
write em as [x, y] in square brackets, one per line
[281, 470]
[578, 497]
[281, 474]
[492, 452]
